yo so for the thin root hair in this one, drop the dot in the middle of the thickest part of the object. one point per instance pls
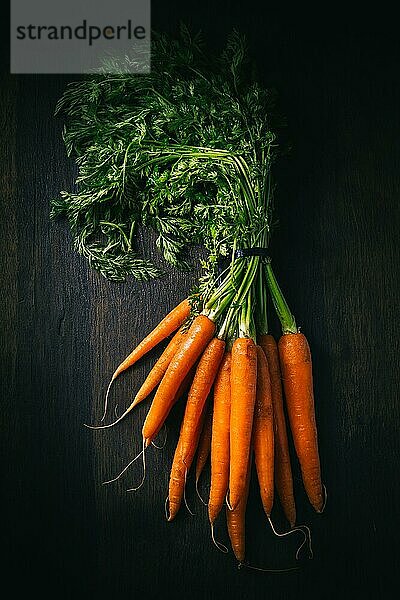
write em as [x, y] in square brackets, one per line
[106, 399]
[124, 469]
[325, 498]
[164, 442]
[184, 495]
[221, 547]
[198, 493]
[166, 508]
[245, 565]
[128, 410]
[303, 529]
[227, 501]
[143, 452]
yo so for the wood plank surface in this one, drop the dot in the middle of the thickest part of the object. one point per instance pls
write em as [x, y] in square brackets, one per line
[64, 328]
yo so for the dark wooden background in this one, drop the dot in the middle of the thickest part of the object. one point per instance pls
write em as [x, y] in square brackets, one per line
[64, 328]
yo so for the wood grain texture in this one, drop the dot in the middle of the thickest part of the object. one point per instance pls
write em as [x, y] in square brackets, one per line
[65, 328]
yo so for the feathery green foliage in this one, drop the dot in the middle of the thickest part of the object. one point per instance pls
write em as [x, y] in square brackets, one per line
[185, 150]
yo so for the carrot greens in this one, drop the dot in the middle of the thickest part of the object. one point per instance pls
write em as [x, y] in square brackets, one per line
[185, 150]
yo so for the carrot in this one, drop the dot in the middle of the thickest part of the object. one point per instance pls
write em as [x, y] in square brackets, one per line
[296, 366]
[282, 466]
[157, 372]
[191, 424]
[152, 379]
[186, 383]
[204, 448]
[198, 336]
[183, 388]
[236, 519]
[243, 396]
[180, 466]
[263, 433]
[202, 382]
[220, 439]
[168, 325]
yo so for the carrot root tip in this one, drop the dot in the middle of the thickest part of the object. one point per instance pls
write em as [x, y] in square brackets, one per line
[171, 513]
[164, 442]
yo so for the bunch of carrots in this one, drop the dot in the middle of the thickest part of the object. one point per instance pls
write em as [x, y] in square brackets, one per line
[187, 150]
[238, 389]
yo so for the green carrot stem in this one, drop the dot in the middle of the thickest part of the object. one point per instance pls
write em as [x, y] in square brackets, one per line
[219, 307]
[261, 302]
[286, 318]
[246, 322]
[252, 326]
[232, 332]
[240, 297]
[226, 285]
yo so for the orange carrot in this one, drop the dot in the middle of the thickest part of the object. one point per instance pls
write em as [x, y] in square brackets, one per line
[191, 425]
[157, 372]
[183, 388]
[202, 382]
[220, 439]
[152, 379]
[236, 519]
[296, 367]
[282, 466]
[186, 383]
[204, 448]
[180, 467]
[198, 336]
[168, 325]
[243, 396]
[263, 433]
